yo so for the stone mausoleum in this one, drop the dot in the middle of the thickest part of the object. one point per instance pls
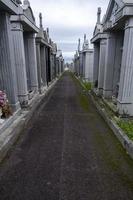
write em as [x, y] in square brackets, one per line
[59, 62]
[113, 55]
[28, 61]
[83, 61]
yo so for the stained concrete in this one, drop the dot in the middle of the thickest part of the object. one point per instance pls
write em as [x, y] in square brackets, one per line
[67, 153]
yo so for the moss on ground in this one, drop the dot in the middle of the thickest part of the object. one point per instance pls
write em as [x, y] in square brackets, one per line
[107, 145]
[81, 95]
[109, 158]
[84, 101]
[125, 125]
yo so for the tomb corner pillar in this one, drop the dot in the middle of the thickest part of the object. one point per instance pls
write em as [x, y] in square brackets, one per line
[43, 64]
[109, 66]
[96, 63]
[102, 58]
[125, 96]
[38, 65]
[8, 80]
[18, 43]
[32, 61]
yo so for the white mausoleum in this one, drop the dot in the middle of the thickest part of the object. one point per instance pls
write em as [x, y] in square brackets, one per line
[113, 54]
[83, 61]
[27, 54]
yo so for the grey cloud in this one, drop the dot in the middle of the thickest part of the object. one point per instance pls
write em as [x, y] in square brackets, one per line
[66, 35]
[67, 46]
[70, 34]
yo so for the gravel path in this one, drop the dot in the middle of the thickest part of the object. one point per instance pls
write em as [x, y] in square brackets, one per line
[67, 153]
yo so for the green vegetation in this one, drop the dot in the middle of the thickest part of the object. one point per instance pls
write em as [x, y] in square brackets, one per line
[114, 163]
[106, 144]
[84, 101]
[87, 85]
[82, 97]
[127, 127]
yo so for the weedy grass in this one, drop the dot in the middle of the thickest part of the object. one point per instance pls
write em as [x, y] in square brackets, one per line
[127, 127]
[87, 85]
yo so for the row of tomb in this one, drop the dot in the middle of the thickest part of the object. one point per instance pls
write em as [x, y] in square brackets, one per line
[29, 59]
[113, 56]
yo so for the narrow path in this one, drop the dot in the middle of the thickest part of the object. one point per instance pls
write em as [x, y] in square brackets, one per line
[68, 153]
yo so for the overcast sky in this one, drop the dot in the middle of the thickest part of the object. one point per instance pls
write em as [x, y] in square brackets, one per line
[68, 20]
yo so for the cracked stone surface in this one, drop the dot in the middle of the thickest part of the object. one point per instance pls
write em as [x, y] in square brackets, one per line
[67, 153]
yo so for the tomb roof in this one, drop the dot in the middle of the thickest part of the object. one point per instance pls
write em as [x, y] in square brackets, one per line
[127, 1]
[28, 11]
[11, 6]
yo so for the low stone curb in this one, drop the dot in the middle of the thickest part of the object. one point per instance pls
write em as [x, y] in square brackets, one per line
[125, 141]
[19, 121]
